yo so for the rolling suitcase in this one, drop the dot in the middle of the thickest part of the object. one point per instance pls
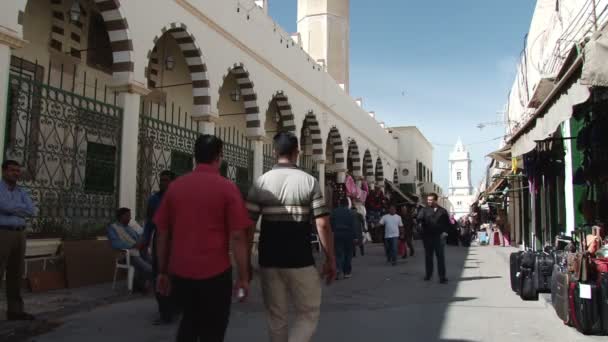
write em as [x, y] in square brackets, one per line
[515, 261]
[559, 293]
[543, 268]
[527, 282]
[603, 282]
[584, 303]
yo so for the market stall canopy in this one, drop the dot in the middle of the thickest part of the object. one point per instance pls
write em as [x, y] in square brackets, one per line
[396, 189]
[558, 107]
[497, 183]
[502, 155]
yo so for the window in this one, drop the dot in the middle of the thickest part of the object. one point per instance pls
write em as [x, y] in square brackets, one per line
[458, 175]
[99, 49]
[100, 168]
[459, 203]
[181, 162]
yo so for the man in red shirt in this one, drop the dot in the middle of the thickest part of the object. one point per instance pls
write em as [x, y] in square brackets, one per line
[198, 216]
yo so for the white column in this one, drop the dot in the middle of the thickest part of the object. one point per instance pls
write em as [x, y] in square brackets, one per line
[207, 124]
[7, 41]
[129, 99]
[258, 157]
[568, 181]
[321, 170]
[341, 176]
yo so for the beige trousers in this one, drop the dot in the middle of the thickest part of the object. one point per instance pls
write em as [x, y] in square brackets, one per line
[303, 287]
[12, 253]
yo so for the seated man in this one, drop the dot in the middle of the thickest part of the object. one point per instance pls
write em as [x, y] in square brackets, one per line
[124, 236]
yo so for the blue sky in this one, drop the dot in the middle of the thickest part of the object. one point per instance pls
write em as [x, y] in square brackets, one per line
[455, 61]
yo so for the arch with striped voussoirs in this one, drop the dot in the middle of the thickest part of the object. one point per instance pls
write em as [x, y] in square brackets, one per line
[311, 131]
[353, 158]
[396, 177]
[335, 146]
[67, 35]
[197, 69]
[280, 104]
[379, 171]
[368, 166]
[249, 98]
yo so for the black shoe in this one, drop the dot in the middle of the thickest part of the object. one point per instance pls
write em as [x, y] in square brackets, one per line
[443, 281]
[427, 278]
[19, 316]
[404, 257]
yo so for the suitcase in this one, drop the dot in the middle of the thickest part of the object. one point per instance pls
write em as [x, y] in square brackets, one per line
[515, 261]
[527, 282]
[559, 293]
[543, 269]
[603, 284]
[528, 259]
[585, 312]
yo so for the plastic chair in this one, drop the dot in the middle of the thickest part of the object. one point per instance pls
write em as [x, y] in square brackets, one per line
[124, 263]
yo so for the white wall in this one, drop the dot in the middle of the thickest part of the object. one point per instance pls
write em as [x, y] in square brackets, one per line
[413, 146]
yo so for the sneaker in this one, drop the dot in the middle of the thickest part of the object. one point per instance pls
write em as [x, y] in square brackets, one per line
[427, 278]
[443, 281]
[19, 316]
[348, 276]
[394, 263]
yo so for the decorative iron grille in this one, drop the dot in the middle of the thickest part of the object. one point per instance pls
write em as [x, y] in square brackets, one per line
[308, 164]
[166, 142]
[69, 146]
[269, 158]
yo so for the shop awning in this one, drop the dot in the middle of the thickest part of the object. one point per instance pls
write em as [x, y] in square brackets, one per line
[396, 189]
[502, 155]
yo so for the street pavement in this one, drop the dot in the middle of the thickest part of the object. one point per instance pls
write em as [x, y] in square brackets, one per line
[380, 303]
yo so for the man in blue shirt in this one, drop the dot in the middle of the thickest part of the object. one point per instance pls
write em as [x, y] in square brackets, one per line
[165, 304]
[15, 206]
[122, 236]
[343, 225]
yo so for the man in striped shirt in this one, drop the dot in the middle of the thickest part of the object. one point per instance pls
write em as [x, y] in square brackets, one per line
[286, 198]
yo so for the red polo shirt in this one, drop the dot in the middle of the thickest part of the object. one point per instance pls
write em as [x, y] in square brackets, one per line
[200, 210]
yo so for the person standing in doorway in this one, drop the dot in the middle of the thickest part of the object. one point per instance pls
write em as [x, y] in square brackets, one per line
[166, 306]
[408, 229]
[199, 214]
[392, 224]
[434, 221]
[343, 226]
[285, 198]
[15, 206]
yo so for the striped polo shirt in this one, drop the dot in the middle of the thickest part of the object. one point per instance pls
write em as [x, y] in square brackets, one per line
[287, 199]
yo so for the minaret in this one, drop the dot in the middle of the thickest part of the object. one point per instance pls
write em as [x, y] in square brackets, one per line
[324, 27]
[460, 171]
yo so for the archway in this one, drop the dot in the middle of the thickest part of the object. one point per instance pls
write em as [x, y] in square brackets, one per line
[379, 172]
[311, 144]
[353, 162]
[237, 104]
[396, 177]
[368, 167]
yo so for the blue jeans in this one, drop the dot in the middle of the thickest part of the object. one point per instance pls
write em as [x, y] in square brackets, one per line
[391, 249]
[344, 254]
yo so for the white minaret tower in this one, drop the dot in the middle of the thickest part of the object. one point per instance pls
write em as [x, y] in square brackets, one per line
[460, 192]
[324, 27]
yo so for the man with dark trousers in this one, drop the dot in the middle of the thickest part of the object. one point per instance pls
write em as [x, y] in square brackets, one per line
[434, 222]
[166, 306]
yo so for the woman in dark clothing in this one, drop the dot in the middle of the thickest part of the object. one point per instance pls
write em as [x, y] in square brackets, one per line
[359, 229]
[408, 230]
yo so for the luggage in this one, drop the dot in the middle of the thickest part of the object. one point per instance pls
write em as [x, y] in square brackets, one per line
[559, 293]
[515, 261]
[603, 282]
[601, 265]
[543, 269]
[528, 259]
[561, 242]
[584, 303]
[527, 282]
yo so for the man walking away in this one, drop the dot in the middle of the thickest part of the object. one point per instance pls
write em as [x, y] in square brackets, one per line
[199, 214]
[408, 229]
[286, 197]
[166, 306]
[343, 226]
[392, 223]
[359, 230]
[15, 206]
[434, 221]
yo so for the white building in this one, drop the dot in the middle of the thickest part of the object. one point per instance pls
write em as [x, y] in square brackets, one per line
[460, 191]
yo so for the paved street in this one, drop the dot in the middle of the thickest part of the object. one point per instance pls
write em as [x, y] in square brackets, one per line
[380, 303]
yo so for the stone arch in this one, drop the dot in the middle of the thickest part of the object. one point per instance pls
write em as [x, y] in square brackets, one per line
[354, 157]
[379, 171]
[67, 35]
[368, 166]
[201, 98]
[396, 177]
[310, 122]
[250, 99]
[284, 110]
[334, 139]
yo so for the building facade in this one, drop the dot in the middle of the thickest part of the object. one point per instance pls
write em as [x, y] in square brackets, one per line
[97, 99]
[460, 191]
